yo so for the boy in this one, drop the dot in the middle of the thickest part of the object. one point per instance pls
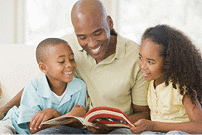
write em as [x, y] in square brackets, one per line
[52, 95]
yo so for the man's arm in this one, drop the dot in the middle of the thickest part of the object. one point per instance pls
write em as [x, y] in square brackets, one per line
[13, 102]
[140, 112]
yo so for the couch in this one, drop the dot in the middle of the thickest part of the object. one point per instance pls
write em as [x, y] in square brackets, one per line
[18, 67]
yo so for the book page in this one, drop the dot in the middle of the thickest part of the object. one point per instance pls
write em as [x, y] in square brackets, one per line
[65, 120]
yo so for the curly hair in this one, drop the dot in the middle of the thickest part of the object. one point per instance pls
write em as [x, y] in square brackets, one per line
[182, 61]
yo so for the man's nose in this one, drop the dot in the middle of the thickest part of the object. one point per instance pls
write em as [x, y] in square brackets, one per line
[92, 42]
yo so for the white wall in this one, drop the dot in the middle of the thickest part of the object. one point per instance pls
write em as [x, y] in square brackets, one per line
[11, 19]
[8, 21]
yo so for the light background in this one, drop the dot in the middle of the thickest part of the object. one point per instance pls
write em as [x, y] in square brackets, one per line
[30, 21]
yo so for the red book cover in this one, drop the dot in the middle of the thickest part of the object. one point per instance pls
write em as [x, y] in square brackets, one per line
[109, 116]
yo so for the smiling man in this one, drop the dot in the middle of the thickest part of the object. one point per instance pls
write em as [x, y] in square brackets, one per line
[108, 63]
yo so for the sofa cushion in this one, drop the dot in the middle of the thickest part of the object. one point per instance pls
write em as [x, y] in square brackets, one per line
[18, 67]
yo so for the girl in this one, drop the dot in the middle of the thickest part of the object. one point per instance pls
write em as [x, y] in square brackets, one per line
[171, 63]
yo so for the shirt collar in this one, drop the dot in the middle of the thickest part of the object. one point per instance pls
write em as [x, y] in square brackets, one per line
[120, 46]
[44, 90]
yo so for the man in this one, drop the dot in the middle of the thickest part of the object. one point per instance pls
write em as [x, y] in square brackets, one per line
[107, 63]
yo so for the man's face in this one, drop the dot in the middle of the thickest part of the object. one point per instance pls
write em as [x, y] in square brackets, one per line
[93, 35]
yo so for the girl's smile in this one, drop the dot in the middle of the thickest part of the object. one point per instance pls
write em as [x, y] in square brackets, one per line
[150, 61]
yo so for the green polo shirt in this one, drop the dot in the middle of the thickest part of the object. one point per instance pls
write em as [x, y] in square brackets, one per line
[116, 81]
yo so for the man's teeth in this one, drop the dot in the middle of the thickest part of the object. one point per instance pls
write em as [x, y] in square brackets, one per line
[96, 50]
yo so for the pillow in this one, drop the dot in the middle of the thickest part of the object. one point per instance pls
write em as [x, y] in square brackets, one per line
[18, 67]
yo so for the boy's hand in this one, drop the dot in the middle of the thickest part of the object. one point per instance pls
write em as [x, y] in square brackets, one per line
[41, 117]
[77, 111]
[142, 125]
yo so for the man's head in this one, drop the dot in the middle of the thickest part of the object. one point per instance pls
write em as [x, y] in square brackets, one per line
[56, 60]
[92, 27]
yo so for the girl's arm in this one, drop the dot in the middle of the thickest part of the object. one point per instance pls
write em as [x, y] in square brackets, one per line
[140, 112]
[194, 113]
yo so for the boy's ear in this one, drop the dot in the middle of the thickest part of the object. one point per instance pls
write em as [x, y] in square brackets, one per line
[42, 67]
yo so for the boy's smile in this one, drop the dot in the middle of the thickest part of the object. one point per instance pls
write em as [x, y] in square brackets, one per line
[60, 64]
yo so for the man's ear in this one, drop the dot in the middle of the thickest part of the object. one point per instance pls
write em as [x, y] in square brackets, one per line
[110, 22]
[42, 67]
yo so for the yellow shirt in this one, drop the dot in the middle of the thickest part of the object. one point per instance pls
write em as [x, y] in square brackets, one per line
[116, 81]
[165, 103]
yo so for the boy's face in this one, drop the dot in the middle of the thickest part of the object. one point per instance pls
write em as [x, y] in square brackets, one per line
[59, 64]
[150, 61]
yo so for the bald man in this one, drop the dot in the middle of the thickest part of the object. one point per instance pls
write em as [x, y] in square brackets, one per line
[107, 62]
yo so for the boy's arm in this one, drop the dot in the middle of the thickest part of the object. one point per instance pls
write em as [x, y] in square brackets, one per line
[77, 111]
[13, 102]
[35, 124]
[40, 117]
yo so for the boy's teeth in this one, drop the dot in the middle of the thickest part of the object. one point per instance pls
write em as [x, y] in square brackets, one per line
[68, 73]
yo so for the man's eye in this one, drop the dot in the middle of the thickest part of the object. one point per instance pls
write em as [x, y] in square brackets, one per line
[98, 33]
[82, 38]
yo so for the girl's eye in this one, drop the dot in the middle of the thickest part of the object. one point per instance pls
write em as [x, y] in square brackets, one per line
[140, 57]
[150, 62]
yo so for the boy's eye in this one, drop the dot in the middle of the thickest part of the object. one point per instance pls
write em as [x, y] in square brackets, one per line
[61, 61]
[72, 59]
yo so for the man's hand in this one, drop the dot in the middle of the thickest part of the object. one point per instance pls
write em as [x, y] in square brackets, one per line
[99, 129]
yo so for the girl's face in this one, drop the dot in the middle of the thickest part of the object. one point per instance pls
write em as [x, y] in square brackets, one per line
[150, 61]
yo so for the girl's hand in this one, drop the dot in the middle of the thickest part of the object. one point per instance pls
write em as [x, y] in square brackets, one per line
[142, 125]
[42, 116]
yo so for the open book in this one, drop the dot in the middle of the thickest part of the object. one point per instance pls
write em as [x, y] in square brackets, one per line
[109, 116]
